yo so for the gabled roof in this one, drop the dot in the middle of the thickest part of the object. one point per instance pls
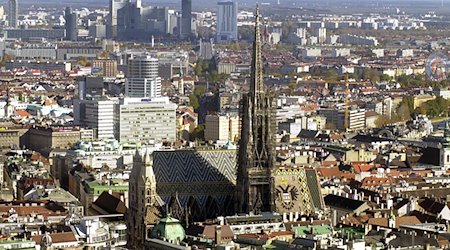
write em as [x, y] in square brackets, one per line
[431, 205]
[401, 203]
[342, 202]
[111, 203]
[56, 238]
[209, 231]
[308, 134]
[404, 220]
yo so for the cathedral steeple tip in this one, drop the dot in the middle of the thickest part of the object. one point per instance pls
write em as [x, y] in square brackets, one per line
[257, 85]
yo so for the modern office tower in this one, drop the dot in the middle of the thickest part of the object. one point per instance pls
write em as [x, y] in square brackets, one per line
[140, 23]
[146, 120]
[226, 24]
[96, 113]
[71, 24]
[114, 6]
[142, 77]
[92, 110]
[256, 156]
[89, 87]
[321, 34]
[13, 14]
[186, 18]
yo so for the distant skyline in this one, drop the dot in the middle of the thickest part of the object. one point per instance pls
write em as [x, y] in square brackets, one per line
[420, 6]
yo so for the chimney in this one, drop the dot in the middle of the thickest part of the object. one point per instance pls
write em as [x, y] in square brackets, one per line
[218, 235]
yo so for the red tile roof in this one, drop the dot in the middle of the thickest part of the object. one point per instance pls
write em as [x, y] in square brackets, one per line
[56, 237]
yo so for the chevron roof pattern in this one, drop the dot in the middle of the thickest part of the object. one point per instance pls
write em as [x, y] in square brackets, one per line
[195, 173]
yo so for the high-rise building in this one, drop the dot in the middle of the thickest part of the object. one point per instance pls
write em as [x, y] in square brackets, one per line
[226, 23]
[321, 34]
[98, 114]
[13, 15]
[186, 18]
[108, 67]
[114, 6]
[140, 23]
[91, 109]
[142, 77]
[145, 120]
[90, 87]
[71, 24]
[256, 149]
[217, 128]
[337, 118]
[222, 128]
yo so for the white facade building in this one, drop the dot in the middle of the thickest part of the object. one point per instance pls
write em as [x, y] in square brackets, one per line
[96, 114]
[222, 128]
[321, 34]
[146, 120]
[142, 77]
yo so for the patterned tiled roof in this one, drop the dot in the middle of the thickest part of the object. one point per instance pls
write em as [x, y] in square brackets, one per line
[198, 174]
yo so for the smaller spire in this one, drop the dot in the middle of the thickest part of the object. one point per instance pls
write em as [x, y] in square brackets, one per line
[147, 158]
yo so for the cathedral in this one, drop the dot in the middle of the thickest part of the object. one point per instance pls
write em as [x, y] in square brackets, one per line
[200, 184]
[256, 149]
[262, 184]
[145, 206]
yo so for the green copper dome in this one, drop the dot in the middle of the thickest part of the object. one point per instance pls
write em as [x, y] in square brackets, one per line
[170, 229]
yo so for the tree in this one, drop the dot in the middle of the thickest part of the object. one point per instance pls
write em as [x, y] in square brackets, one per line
[103, 54]
[331, 75]
[198, 133]
[292, 87]
[198, 68]
[83, 61]
[7, 57]
[193, 99]
[199, 90]
[435, 108]
[246, 32]
[371, 74]
[403, 112]
[382, 121]
[385, 78]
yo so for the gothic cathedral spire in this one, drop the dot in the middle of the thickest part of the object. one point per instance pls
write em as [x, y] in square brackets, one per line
[257, 84]
[255, 155]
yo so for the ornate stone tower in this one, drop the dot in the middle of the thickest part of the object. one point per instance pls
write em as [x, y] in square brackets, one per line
[144, 203]
[256, 153]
